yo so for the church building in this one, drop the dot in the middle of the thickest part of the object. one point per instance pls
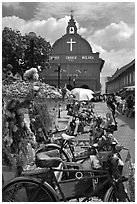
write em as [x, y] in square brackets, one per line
[73, 62]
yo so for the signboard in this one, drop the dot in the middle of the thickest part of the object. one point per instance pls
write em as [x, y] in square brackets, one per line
[73, 57]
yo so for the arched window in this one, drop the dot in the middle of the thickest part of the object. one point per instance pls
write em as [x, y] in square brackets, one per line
[130, 78]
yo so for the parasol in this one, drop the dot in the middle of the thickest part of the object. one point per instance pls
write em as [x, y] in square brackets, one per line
[82, 94]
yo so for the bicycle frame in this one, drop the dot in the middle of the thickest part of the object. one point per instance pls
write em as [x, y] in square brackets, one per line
[62, 187]
[72, 186]
[65, 195]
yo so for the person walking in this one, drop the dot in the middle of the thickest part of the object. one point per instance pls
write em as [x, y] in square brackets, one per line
[129, 106]
[73, 122]
[123, 105]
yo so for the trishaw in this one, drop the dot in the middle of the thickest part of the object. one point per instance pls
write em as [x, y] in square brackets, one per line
[53, 180]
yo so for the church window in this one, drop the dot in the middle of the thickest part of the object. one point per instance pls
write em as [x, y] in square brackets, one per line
[130, 78]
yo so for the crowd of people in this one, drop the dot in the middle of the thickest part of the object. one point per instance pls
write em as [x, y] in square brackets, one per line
[123, 104]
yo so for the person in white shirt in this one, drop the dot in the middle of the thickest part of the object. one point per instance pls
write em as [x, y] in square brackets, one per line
[123, 105]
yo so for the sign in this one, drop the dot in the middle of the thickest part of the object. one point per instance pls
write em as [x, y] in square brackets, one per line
[72, 57]
[87, 57]
[54, 57]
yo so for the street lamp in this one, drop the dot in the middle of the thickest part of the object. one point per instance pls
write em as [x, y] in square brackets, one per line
[74, 82]
[32, 37]
[69, 78]
[59, 69]
[75, 76]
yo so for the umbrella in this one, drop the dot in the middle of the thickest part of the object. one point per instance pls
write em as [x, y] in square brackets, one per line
[82, 94]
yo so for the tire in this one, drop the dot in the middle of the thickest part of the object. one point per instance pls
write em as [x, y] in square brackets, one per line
[110, 196]
[24, 189]
[62, 154]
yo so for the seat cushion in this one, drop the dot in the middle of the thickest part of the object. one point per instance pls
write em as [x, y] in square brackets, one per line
[43, 160]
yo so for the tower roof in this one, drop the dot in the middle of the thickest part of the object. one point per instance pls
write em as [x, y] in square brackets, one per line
[71, 25]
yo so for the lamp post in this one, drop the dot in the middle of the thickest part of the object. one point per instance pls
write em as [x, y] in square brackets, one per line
[59, 70]
[32, 37]
[75, 76]
[69, 78]
[74, 82]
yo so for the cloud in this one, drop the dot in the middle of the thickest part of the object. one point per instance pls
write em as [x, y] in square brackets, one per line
[14, 5]
[50, 29]
[120, 31]
[89, 13]
[116, 59]
[13, 22]
[113, 60]
[114, 35]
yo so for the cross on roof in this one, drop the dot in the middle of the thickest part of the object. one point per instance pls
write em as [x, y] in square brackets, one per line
[71, 42]
[71, 12]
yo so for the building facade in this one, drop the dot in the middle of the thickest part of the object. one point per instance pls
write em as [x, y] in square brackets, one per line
[73, 61]
[123, 77]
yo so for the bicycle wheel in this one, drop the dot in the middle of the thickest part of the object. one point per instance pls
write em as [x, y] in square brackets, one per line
[111, 197]
[23, 189]
[64, 155]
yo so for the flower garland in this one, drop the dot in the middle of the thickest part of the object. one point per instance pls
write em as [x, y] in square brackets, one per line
[25, 120]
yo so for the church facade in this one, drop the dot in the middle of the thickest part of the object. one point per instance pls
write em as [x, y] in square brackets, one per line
[73, 62]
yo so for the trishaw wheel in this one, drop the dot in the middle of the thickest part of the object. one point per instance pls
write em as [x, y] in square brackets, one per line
[27, 190]
[111, 197]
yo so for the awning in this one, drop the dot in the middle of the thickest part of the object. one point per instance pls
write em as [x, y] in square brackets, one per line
[129, 88]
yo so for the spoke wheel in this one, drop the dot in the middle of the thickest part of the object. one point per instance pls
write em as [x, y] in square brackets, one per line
[112, 198]
[26, 191]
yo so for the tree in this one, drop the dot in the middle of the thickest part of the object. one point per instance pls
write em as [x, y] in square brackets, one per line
[16, 50]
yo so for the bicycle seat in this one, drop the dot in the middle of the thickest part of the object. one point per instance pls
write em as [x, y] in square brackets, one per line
[67, 137]
[43, 160]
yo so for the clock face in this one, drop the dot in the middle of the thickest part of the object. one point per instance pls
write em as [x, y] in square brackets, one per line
[71, 30]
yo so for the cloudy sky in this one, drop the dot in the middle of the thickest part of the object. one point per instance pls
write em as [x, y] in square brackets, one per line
[109, 27]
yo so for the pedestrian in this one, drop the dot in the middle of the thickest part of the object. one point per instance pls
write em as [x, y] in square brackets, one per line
[73, 122]
[110, 123]
[104, 98]
[129, 106]
[123, 105]
[118, 101]
[64, 91]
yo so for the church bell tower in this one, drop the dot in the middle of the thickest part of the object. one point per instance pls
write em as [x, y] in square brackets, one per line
[71, 28]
